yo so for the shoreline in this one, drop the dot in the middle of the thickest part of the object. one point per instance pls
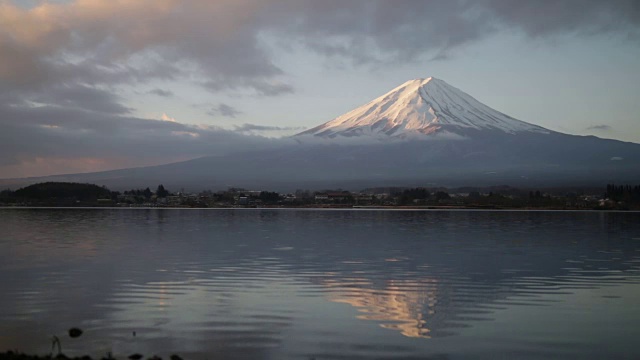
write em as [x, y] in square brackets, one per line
[341, 208]
[17, 355]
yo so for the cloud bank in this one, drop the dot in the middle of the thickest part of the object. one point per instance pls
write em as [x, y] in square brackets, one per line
[224, 110]
[54, 140]
[253, 127]
[601, 127]
[218, 43]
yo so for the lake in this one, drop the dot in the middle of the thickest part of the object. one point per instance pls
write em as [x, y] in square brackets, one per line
[321, 284]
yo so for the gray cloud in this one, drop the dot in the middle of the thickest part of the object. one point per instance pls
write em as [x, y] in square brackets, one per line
[586, 17]
[68, 137]
[80, 96]
[261, 88]
[602, 127]
[160, 92]
[221, 44]
[128, 43]
[224, 110]
[253, 127]
[375, 31]
[404, 30]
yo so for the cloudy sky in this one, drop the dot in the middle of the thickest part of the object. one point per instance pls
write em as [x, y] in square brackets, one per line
[90, 85]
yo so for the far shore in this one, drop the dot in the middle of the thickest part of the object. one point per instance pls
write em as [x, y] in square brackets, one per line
[331, 207]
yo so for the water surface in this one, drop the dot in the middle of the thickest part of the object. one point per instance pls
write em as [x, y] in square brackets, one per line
[301, 284]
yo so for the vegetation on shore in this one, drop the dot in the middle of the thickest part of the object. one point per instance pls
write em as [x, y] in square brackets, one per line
[56, 344]
[613, 197]
[14, 355]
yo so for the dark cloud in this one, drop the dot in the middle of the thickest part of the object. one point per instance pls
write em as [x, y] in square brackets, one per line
[160, 92]
[586, 17]
[224, 110]
[254, 127]
[404, 30]
[80, 96]
[389, 31]
[261, 88]
[221, 43]
[228, 111]
[52, 133]
[602, 127]
[126, 43]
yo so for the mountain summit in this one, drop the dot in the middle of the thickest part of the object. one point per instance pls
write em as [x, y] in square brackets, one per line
[421, 107]
[477, 146]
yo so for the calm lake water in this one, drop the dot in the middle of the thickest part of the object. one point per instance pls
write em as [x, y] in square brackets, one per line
[302, 284]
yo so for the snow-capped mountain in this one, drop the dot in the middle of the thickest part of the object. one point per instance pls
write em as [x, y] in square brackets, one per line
[475, 145]
[421, 107]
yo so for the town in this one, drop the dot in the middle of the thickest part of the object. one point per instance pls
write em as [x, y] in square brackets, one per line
[88, 195]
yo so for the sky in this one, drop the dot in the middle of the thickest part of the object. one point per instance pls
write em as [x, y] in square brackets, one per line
[91, 85]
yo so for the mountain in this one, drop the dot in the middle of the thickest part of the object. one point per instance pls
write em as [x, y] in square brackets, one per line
[425, 132]
[421, 107]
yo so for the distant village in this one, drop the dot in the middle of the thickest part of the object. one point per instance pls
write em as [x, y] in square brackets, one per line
[73, 194]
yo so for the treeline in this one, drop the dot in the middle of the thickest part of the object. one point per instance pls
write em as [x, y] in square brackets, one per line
[625, 193]
[69, 194]
[161, 192]
[498, 198]
[420, 195]
[57, 191]
[269, 197]
[621, 197]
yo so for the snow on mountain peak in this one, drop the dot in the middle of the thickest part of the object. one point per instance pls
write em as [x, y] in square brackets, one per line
[425, 106]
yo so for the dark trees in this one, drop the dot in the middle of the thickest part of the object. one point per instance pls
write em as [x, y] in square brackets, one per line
[161, 192]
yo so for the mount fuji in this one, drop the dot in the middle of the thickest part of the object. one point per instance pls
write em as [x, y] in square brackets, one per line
[421, 107]
[424, 132]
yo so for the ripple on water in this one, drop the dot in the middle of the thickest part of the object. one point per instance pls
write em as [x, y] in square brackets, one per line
[328, 284]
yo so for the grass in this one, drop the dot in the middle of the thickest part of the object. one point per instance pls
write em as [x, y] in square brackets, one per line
[73, 333]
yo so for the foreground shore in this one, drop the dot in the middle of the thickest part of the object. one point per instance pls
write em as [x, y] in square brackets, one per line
[13, 355]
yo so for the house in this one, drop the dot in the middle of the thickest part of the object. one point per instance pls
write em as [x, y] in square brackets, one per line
[321, 197]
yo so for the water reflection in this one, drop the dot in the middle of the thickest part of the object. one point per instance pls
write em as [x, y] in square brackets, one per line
[276, 284]
[401, 305]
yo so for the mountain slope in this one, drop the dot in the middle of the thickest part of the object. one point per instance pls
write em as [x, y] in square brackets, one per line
[421, 107]
[510, 159]
[448, 139]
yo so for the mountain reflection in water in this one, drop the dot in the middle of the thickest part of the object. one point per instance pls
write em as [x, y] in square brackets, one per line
[264, 284]
[401, 305]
